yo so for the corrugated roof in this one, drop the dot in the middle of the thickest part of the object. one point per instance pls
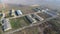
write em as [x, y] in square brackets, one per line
[6, 25]
[19, 12]
[29, 18]
[52, 13]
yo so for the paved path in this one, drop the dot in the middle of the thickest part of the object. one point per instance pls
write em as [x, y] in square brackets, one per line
[23, 15]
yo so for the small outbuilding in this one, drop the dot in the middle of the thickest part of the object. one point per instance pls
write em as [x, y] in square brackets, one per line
[11, 12]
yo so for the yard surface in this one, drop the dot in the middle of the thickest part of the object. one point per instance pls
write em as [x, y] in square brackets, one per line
[31, 30]
[24, 9]
[0, 30]
[19, 22]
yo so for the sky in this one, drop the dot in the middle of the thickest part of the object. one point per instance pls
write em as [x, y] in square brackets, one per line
[52, 3]
[30, 2]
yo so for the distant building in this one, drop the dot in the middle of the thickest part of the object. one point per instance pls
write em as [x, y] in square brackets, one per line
[18, 12]
[6, 25]
[52, 13]
[12, 12]
[30, 19]
[37, 10]
[37, 17]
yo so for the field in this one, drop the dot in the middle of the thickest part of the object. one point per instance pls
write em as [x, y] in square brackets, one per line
[31, 30]
[8, 16]
[19, 22]
[0, 30]
[24, 9]
[55, 26]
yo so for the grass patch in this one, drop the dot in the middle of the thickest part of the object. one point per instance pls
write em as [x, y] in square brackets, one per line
[0, 30]
[18, 22]
[7, 16]
[0, 17]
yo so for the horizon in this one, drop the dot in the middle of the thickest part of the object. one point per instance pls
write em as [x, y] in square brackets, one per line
[47, 3]
[30, 2]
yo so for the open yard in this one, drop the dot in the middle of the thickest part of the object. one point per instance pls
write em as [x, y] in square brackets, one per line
[24, 9]
[0, 30]
[31, 30]
[19, 22]
[8, 16]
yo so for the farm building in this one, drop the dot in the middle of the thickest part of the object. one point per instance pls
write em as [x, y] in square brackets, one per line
[52, 13]
[30, 19]
[6, 24]
[12, 12]
[18, 12]
[37, 17]
[36, 9]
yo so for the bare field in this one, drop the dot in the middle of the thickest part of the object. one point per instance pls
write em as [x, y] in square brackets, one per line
[24, 9]
[1, 30]
[32, 30]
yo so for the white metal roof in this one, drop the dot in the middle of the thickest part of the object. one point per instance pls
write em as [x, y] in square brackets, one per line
[19, 12]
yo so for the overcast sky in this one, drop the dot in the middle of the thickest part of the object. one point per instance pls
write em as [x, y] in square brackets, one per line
[32, 1]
